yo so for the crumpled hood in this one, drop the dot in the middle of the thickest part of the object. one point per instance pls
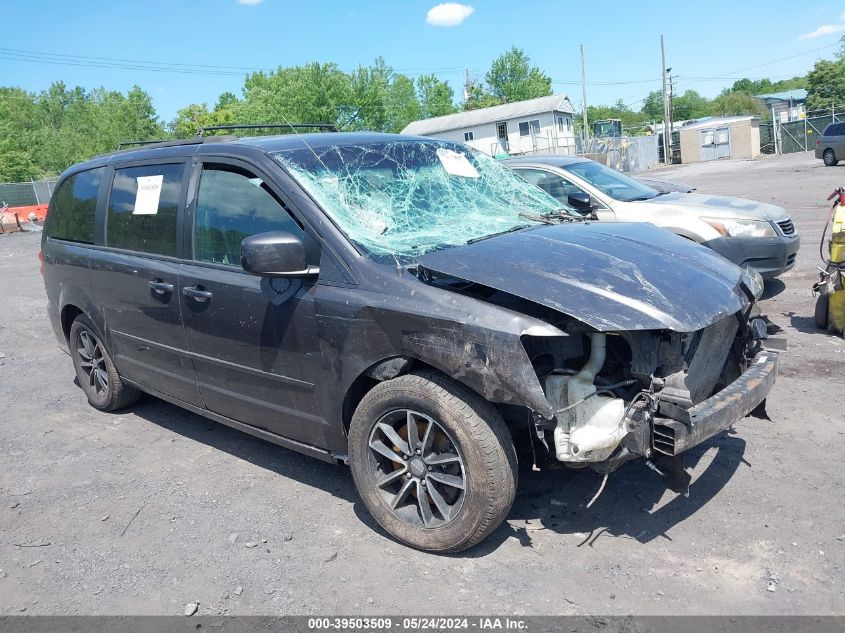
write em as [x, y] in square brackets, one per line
[611, 276]
[720, 206]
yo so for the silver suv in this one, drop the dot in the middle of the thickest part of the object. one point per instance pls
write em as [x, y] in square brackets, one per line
[830, 146]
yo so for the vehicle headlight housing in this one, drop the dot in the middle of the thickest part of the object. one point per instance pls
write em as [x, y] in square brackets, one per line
[754, 282]
[735, 227]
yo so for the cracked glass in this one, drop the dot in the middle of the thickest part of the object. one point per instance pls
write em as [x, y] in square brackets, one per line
[408, 197]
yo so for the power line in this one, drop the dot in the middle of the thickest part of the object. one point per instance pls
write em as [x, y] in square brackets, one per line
[64, 59]
[161, 66]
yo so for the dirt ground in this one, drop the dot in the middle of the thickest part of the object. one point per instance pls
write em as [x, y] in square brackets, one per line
[143, 511]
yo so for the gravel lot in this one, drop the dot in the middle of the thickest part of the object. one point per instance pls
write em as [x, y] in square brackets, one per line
[146, 510]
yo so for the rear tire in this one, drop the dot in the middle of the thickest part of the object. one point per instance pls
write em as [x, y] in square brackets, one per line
[829, 158]
[95, 370]
[458, 487]
[822, 304]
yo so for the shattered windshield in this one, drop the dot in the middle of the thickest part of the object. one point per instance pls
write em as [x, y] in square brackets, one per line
[408, 197]
[611, 182]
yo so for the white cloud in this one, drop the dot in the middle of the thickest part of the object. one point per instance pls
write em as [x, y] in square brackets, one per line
[824, 29]
[448, 14]
[249, 2]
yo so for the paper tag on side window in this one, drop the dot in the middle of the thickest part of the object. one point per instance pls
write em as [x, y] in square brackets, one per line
[456, 164]
[149, 192]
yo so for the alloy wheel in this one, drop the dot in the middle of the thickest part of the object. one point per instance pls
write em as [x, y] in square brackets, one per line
[417, 468]
[92, 362]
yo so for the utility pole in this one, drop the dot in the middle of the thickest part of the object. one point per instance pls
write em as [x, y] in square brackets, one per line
[667, 130]
[671, 98]
[584, 94]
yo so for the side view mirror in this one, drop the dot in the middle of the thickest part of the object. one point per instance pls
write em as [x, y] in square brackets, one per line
[580, 201]
[276, 254]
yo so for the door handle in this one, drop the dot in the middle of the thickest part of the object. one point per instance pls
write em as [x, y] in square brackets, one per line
[197, 293]
[160, 287]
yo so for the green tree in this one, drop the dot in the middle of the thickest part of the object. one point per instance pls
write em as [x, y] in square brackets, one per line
[226, 100]
[736, 103]
[436, 97]
[826, 84]
[312, 93]
[690, 105]
[478, 96]
[653, 106]
[401, 104]
[44, 133]
[512, 78]
[368, 105]
[16, 165]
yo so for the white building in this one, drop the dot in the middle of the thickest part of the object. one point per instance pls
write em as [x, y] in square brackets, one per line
[536, 126]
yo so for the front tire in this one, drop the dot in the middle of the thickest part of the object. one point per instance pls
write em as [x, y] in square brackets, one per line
[829, 158]
[433, 462]
[95, 370]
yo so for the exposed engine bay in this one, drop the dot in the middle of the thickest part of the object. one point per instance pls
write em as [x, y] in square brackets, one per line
[631, 394]
[655, 393]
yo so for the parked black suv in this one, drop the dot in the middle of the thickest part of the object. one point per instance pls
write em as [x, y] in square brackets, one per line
[403, 304]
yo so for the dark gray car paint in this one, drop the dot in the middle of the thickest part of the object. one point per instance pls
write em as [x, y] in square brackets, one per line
[613, 277]
[291, 356]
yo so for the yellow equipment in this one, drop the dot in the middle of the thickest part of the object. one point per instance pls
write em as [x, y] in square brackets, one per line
[830, 305]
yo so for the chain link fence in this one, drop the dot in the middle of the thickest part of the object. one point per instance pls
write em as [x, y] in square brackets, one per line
[631, 154]
[25, 194]
[797, 136]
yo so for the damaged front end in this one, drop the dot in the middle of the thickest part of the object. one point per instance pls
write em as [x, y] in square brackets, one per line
[678, 391]
[665, 347]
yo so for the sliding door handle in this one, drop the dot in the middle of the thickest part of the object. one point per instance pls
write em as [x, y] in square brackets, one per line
[197, 293]
[160, 287]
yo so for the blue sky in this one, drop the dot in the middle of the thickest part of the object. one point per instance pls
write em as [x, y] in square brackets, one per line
[706, 47]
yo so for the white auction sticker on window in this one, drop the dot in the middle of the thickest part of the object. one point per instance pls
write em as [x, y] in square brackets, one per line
[149, 192]
[456, 164]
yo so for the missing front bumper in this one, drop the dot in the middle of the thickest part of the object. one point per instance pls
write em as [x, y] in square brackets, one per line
[720, 411]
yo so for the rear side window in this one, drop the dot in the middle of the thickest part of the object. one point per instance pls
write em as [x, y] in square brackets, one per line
[834, 129]
[142, 208]
[233, 204]
[73, 206]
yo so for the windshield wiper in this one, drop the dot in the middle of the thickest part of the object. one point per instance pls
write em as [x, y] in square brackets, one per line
[513, 229]
[553, 217]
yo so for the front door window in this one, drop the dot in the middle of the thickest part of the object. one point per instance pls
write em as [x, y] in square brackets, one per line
[231, 206]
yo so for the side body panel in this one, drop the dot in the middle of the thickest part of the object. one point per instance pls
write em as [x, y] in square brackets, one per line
[254, 346]
[144, 327]
[143, 323]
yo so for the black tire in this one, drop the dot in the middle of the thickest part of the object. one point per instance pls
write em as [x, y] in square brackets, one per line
[829, 158]
[821, 311]
[95, 370]
[462, 422]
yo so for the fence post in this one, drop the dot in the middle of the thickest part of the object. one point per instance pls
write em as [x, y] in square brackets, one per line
[805, 133]
[774, 130]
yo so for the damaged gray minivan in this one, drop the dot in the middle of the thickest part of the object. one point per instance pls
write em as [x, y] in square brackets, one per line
[405, 305]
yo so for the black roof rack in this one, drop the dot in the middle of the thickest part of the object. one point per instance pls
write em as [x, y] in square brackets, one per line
[329, 127]
[176, 142]
[123, 144]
